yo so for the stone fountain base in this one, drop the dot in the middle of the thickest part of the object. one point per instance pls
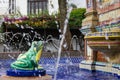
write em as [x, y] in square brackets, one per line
[100, 67]
[107, 43]
[25, 73]
[46, 77]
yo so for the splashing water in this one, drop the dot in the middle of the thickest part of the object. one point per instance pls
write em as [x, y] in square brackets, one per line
[106, 36]
[109, 47]
[11, 56]
[62, 40]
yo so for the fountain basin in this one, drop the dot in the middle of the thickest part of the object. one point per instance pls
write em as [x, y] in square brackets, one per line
[66, 71]
[100, 66]
[26, 73]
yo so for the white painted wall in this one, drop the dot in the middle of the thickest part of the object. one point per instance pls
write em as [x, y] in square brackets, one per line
[54, 9]
[4, 7]
[79, 3]
[21, 5]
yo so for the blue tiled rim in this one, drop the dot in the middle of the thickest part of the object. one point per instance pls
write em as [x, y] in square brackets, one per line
[102, 64]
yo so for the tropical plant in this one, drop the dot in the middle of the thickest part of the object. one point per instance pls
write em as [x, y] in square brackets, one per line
[76, 17]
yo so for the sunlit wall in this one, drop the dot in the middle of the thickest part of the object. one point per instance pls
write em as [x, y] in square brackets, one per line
[4, 7]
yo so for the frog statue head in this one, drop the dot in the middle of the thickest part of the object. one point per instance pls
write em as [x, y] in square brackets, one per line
[29, 60]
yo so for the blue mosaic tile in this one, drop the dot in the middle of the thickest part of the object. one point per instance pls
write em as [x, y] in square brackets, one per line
[68, 69]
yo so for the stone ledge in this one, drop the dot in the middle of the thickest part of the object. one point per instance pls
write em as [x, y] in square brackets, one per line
[46, 77]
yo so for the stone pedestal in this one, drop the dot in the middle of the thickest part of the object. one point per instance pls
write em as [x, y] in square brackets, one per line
[46, 77]
[89, 24]
[107, 43]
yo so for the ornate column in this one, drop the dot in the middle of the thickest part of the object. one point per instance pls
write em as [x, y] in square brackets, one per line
[105, 37]
[88, 26]
[91, 20]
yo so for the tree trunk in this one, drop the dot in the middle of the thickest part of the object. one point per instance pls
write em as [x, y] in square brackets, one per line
[63, 12]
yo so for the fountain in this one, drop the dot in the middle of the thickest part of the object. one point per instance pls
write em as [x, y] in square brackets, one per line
[102, 35]
[97, 41]
[27, 65]
[66, 67]
[61, 44]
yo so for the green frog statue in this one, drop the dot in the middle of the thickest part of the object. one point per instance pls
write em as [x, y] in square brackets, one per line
[29, 60]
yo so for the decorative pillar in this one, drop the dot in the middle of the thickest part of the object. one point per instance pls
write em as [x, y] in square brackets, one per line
[89, 24]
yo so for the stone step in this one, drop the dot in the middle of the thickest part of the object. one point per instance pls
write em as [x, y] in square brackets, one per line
[46, 77]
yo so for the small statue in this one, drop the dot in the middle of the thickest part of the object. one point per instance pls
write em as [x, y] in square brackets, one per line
[30, 59]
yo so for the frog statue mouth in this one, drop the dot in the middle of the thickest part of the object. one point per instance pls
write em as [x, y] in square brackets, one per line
[29, 60]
